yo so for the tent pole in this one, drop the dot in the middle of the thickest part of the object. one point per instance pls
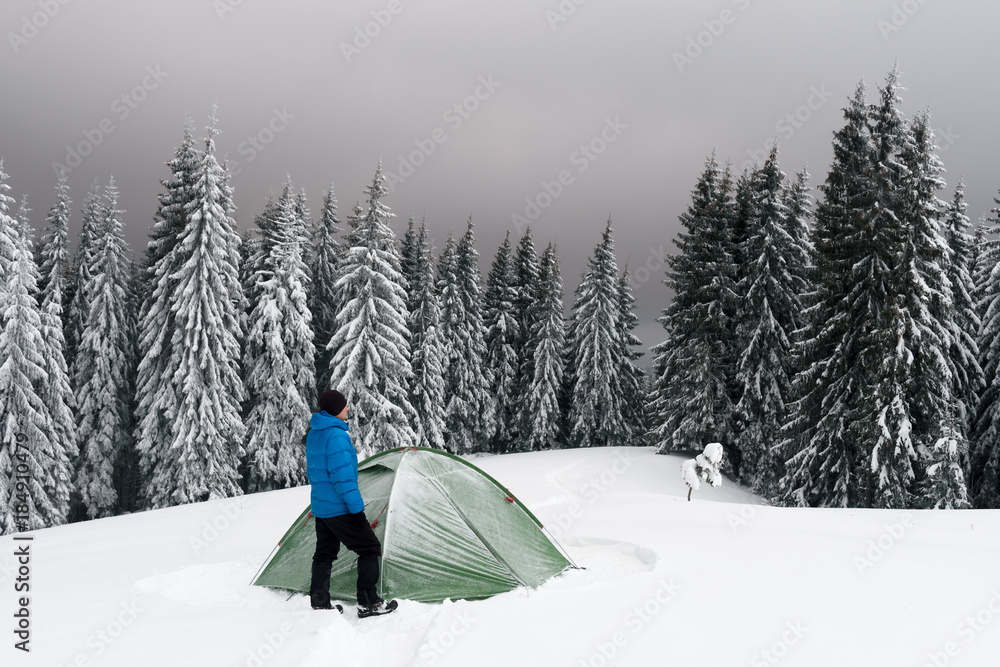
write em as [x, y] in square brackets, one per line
[561, 549]
[266, 560]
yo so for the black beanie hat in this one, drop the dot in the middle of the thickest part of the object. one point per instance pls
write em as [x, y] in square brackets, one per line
[333, 402]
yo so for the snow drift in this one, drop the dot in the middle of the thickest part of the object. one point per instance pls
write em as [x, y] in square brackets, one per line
[721, 580]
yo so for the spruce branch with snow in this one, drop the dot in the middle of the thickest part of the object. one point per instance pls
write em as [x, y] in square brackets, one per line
[944, 485]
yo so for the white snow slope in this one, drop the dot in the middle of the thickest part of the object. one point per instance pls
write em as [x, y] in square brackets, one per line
[719, 581]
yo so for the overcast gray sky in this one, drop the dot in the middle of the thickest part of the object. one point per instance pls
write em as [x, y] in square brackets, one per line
[650, 87]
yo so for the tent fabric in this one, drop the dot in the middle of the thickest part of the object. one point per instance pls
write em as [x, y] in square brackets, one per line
[448, 530]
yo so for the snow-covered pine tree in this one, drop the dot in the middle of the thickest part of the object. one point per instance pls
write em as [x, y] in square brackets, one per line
[81, 279]
[527, 270]
[8, 235]
[255, 248]
[470, 410]
[77, 298]
[55, 455]
[354, 220]
[298, 323]
[544, 415]
[53, 255]
[57, 392]
[428, 355]
[798, 207]
[371, 349]
[976, 262]
[234, 250]
[979, 270]
[984, 478]
[156, 393]
[930, 288]
[303, 218]
[631, 383]
[470, 280]
[926, 294]
[280, 375]
[351, 238]
[169, 218]
[770, 312]
[821, 454]
[156, 318]
[566, 391]
[233, 244]
[102, 368]
[453, 334]
[27, 432]
[694, 369]
[248, 250]
[261, 238]
[27, 234]
[597, 414]
[744, 207]
[408, 253]
[884, 417]
[324, 299]
[568, 377]
[745, 194]
[882, 384]
[503, 335]
[964, 350]
[663, 419]
[128, 477]
[305, 228]
[190, 434]
[647, 412]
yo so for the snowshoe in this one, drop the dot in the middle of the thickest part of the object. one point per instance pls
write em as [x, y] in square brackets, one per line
[379, 608]
[332, 606]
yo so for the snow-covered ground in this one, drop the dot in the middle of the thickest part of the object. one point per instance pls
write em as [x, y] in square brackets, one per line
[719, 581]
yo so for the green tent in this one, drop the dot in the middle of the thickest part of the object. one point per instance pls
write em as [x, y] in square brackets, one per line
[448, 530]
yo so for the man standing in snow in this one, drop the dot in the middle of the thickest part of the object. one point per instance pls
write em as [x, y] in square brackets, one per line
[332, 466]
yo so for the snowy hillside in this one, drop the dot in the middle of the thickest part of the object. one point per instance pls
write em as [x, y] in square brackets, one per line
[718, 581]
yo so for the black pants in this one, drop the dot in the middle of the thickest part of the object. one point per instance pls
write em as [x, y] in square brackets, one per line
[354, 531]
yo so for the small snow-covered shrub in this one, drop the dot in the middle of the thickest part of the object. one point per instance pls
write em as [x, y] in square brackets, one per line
[703, 468]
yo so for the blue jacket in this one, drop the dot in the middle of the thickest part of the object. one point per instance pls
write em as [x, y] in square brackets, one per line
[332, 466]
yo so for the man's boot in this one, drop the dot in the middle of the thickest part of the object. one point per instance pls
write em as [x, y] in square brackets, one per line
[370, 604]
[319, 589]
